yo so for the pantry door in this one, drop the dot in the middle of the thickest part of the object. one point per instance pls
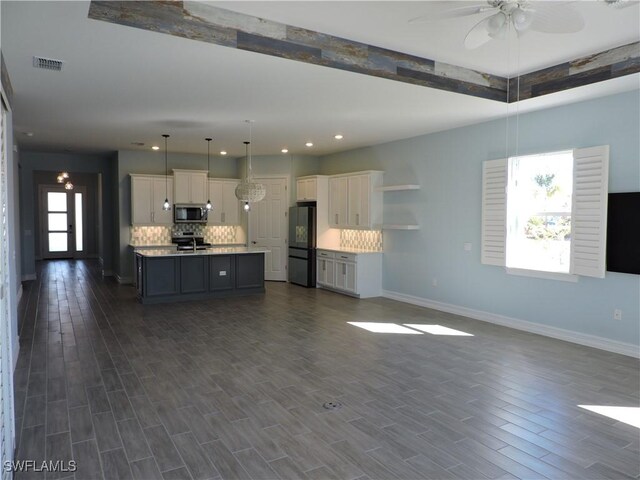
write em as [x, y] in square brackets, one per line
[268, 226]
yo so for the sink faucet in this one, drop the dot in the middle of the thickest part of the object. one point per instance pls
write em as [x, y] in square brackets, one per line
[194, 244]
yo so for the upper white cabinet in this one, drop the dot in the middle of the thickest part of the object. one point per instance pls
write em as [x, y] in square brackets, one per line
[338, 206]
[354, 201]
[190, 186]
[226, 207]
[307, 189]
[148, 193]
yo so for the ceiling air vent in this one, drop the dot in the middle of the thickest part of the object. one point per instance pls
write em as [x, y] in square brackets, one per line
[47, 63]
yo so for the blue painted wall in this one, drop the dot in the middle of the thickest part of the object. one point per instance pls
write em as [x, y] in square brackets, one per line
[448, 165]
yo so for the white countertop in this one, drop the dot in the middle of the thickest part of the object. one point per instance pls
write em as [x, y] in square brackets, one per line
[172, 252]
[174, 245]
[347, 250]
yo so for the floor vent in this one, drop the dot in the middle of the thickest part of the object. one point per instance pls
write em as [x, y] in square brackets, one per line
[47, 63]
[332, 405]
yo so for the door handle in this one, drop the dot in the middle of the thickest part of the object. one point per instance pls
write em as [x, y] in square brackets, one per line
[71, 227]
[324, 265]
[254, 242]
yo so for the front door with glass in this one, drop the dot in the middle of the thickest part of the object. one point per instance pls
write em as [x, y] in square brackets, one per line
[62, 221]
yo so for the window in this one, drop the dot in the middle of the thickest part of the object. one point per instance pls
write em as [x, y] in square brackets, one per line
[547, 212]
[539, 212]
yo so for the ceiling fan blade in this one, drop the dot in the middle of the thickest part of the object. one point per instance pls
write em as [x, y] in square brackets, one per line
[552, 17]
[478, 35]
[620, 4]
[450, 13]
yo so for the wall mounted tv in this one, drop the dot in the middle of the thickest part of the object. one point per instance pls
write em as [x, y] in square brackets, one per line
[623, 233]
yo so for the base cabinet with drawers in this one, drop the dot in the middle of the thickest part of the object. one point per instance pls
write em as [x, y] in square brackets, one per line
[356, 274]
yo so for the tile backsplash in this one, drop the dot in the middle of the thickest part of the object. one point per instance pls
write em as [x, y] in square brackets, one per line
[370, 240]
[161, 235]
[142, 236]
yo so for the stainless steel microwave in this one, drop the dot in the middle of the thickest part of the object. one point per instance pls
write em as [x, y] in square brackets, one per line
[189, 214]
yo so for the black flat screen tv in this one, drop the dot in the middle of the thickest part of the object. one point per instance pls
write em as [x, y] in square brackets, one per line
[623, 233]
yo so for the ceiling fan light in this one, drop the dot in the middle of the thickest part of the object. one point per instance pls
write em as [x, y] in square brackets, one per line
[496, 23]
[521, 19]
[500, 33]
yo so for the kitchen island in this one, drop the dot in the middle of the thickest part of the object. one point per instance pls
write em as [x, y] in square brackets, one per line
[166, 275]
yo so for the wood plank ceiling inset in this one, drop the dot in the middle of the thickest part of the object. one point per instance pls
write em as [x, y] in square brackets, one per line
[206, 23]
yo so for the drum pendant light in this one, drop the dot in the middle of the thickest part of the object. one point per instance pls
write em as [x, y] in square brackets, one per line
[208, 206]
[166, 206]
[247, 191]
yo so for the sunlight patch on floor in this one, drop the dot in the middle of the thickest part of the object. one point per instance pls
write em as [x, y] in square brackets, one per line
[438, 330]
[384, 328]
[628, 415]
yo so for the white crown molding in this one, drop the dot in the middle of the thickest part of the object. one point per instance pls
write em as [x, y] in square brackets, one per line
[546, 330]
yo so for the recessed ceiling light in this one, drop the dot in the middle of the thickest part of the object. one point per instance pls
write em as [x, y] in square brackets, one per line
[338, 136]
[155, 147]
[284, 150]
[223, 152]
[309, 144]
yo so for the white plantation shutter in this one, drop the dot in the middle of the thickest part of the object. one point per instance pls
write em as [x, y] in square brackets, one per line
[494, 212]
[589, 211]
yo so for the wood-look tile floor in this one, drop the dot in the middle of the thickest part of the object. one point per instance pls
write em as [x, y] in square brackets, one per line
[234, 388]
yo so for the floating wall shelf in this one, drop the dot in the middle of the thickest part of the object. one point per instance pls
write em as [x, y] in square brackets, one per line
[397, 188]
[399, 227]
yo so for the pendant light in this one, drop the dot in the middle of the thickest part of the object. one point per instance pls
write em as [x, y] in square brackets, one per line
[166, 206]
[208, 206]
[247, 191]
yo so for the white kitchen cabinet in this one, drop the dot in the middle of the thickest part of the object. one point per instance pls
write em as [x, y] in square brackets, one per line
[307, 189]
[325, 268]
[226, 207]
[190, 187]
[354, 201]
[338, 207]
[355, 274]
[148, 193]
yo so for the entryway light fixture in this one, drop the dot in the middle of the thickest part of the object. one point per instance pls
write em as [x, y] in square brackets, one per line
[248, 191]
[63, 177]
[166, 206]
[208, 206]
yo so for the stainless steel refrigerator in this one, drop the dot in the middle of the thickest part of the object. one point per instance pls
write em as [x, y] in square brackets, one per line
[302, 245]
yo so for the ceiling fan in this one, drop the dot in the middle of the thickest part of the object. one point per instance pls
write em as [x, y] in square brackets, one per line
[522, 15]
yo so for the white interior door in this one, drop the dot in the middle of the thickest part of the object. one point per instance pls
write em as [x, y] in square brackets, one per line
[268, 226]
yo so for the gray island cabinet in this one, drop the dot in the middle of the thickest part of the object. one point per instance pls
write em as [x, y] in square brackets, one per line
[164, 275]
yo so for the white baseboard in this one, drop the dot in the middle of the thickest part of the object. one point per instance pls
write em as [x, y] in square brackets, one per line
[546, 330]
[29, 276]
[123, 280]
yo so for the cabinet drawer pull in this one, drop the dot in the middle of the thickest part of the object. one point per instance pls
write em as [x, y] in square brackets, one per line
[324, 265]
[343, 256]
